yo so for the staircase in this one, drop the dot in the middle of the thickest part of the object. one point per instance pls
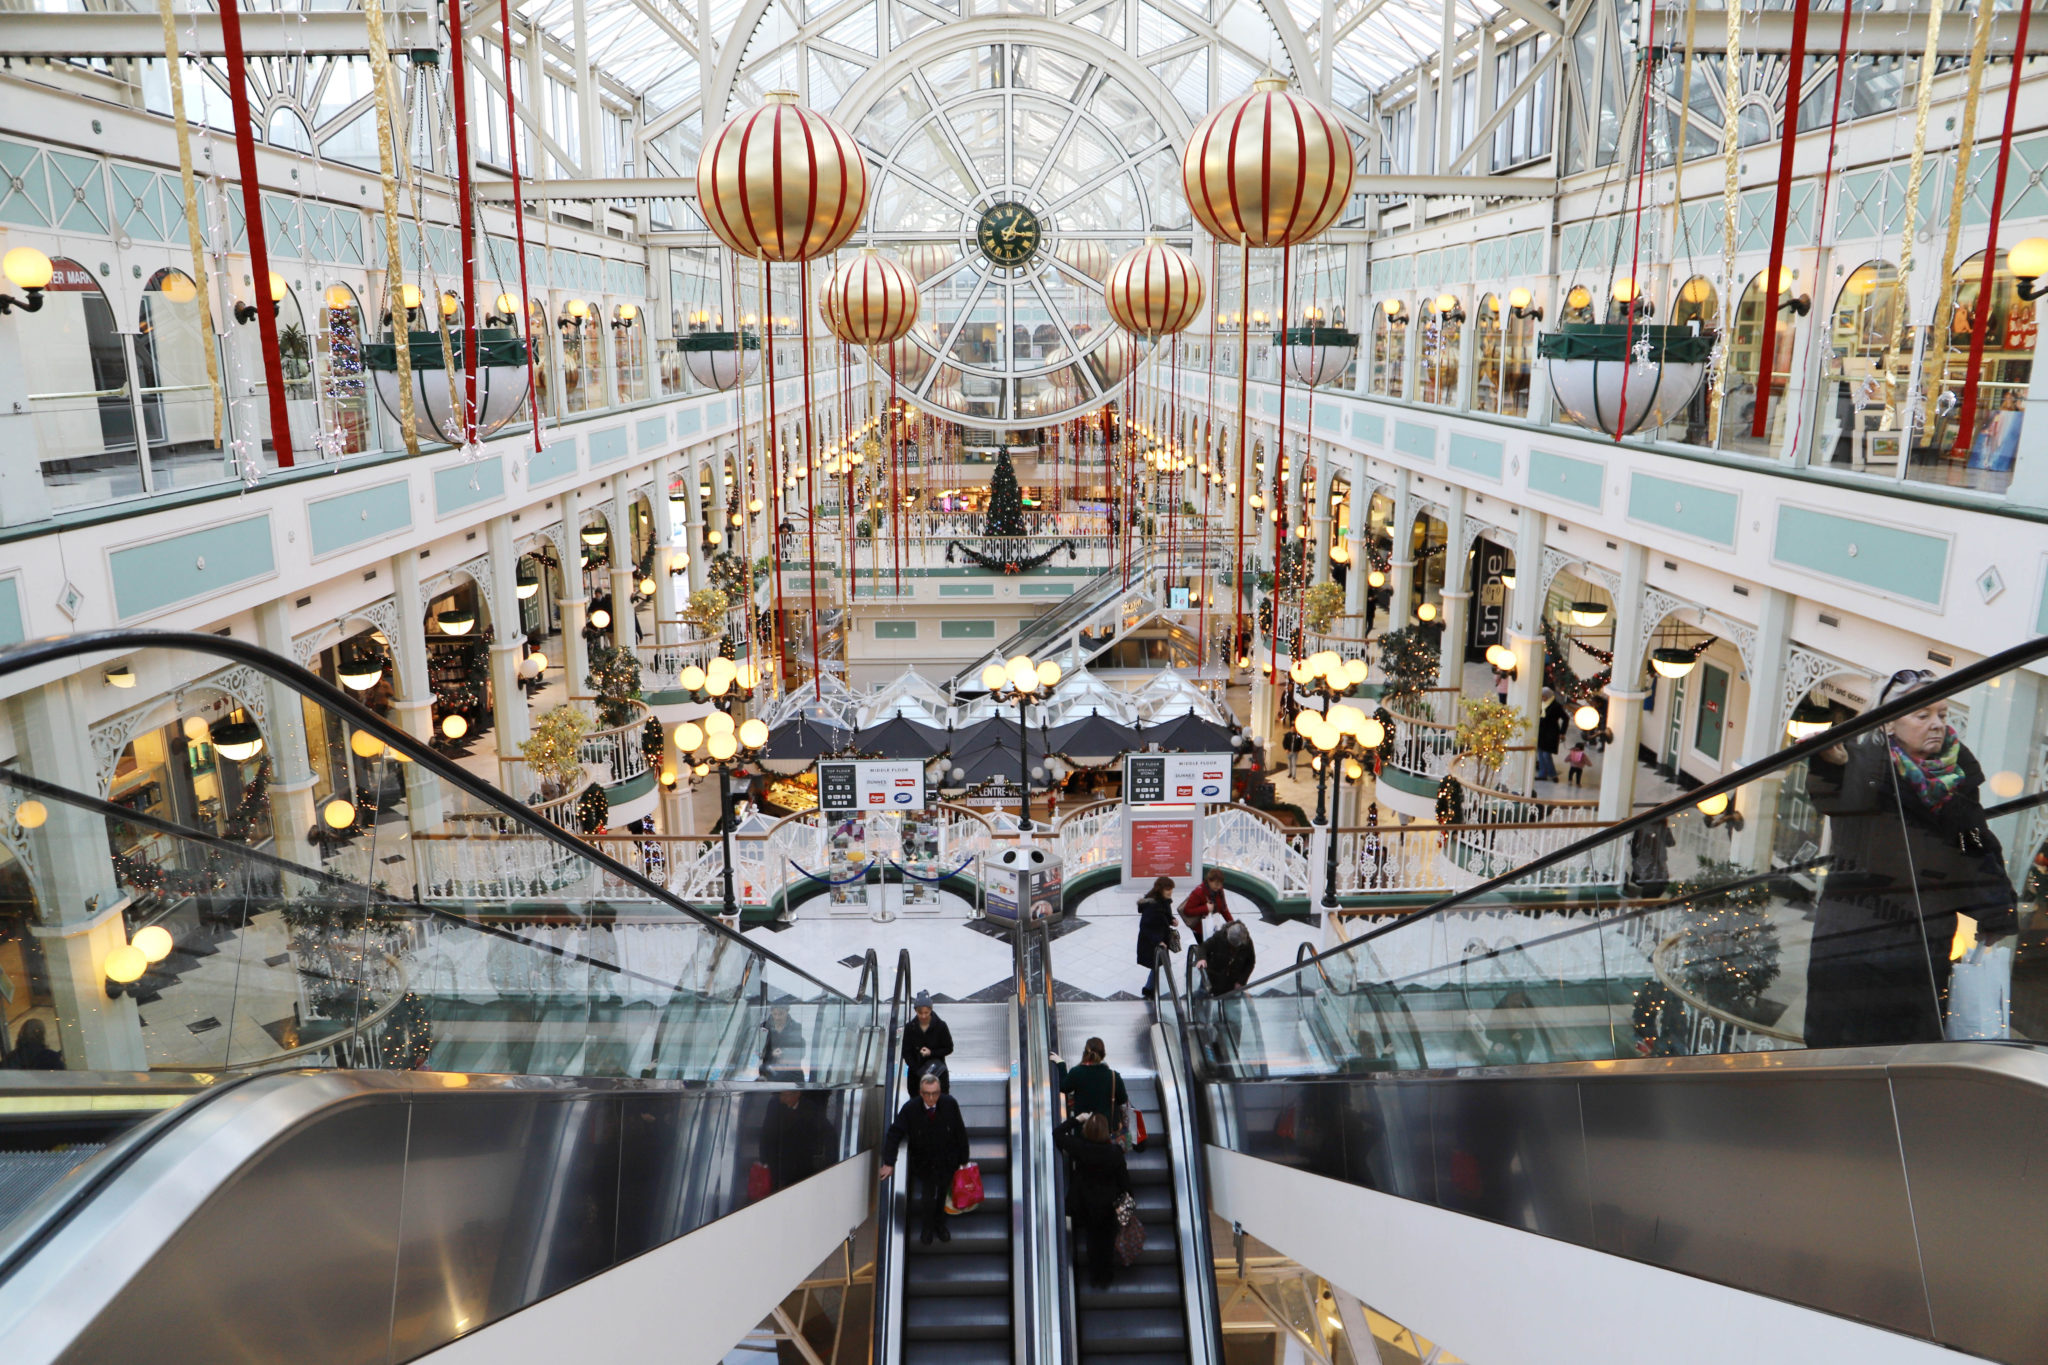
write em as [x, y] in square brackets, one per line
[1141, 1319]
[956, 1295]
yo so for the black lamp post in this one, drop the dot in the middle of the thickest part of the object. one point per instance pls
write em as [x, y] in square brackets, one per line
[722, 748]
[1026, 682]
[1338, 733]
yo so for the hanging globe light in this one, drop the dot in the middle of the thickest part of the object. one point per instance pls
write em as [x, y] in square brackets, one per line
[238, 740]
[501, 377]
[720, 360]
[1317, 355]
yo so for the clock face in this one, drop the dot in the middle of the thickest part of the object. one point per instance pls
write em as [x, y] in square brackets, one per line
[1008, 233]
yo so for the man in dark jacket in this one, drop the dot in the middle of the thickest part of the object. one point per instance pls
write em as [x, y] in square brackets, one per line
[795, 1137]
[927, 1042]
[1229, 958]
[1550, 727]
[937, 1135]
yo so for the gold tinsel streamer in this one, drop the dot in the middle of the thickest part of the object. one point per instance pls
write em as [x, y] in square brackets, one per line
[1684, 131]
[1934, 369]
[200, 277]
[1923, 102]
[394, 256]
[1731, 197]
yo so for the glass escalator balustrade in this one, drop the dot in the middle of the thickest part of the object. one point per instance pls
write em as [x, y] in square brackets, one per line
[1881, 884]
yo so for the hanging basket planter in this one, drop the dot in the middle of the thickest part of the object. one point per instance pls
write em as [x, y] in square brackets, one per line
[720, 360]
[500, 379]
[1318, 355]
[1590, 363]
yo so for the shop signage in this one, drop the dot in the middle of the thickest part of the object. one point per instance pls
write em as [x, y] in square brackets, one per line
[1176, 779]
[871, 785]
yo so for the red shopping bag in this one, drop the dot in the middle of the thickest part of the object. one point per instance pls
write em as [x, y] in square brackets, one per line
[967, 1193]
[760, 1182]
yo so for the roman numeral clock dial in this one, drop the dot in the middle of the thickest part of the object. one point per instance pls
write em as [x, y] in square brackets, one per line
[1008, 233]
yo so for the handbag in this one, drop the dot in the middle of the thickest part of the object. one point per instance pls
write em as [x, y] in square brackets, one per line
[967, 1192]
[760, 1183]
[1173, 943]
[1980, 993]
[1130, 1233]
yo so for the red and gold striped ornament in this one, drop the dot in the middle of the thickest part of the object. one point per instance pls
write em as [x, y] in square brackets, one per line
[912, 362]
[1115, 358]
[1154, 291]
[1084, 254]
[925, 259]
[869, 301]
[782, 182]
[1271, 168]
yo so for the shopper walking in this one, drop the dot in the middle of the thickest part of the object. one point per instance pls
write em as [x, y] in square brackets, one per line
[1205, 900]
[1551, 721]
[927, 1042]
[1100, 1179]
[937, 1135]
[1155, 928]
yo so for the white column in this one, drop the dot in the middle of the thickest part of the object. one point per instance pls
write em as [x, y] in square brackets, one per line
[79, 899]
[1361, 557]
[1625, 690]
[284, 735]
[23, 497]
[575, 604]
[693, 519]
[1763, 729]
[412, 700]
[1457, 594]
[666, 606]
[1401, 569]
[623, 578]
[509, 720]
[1319, 519]
[1525, 638]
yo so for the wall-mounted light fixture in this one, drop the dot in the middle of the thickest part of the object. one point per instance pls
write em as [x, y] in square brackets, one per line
[1448, 309]
[30, 271]
[507, 314]
[2027, 259]
[1522, 304]
[1720, 812]
[245, 313]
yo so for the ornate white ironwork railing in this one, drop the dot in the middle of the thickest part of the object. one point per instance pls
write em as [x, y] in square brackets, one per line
[616, 755]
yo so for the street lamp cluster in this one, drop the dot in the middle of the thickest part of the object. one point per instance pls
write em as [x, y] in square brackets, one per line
[1339, 732]
[1024, 681]
[722, 744]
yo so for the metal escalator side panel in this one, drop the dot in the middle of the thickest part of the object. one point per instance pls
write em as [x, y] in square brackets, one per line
[1191, 1199]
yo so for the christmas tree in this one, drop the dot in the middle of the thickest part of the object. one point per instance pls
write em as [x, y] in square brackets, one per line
[1005, 499]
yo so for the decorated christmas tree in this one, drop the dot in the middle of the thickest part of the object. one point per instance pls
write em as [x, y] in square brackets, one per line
[1005, 499]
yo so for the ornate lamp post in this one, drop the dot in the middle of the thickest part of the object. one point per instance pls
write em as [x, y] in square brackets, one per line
[1024, 681]
[720, 744]
[1340, 732]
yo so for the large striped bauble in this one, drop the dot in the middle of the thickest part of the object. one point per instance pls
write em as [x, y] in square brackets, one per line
[925, 259]
[911, 362]
[1115, 358]
[1153, 291]
[869, 301]
[1084, 254]
[782, 182]
[1271, 168]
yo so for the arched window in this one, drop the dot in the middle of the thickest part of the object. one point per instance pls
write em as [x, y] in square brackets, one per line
[288, 130]
[77, 379]
[1487, 355]
[582, 357]
[1517, 360]
[179, 417]
[1578, 305]
[1442, 324]
[1696, 307]
[347, 415]
[1863, 381]
[1389, 348]
[1982, 456]
[543, 356]
[1745, 357]
[630, 345]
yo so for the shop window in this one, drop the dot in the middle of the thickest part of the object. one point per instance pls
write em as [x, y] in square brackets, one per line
[1487, 355]
[77, 379]
[1981, 456]
[1517, 361]
[1863, 377]
[630, 347]
[1740, 389]
[1442, 327]
[582, 358]
[1389, 348]
[346, 411]
[543, 357]
[180, 414]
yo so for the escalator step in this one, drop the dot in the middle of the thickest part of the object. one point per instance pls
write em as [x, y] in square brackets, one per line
[980, 1231]
[1155, 1204]
[1126, 1331]
[1137, 1286]
[1136, 1357]
[25, 1175]
[967, 1317]
[1150, 1165]
[991, 1150]
[956, 1353]
[969, 1273]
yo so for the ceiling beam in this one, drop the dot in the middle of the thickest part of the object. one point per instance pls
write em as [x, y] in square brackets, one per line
[1458, 186]
[288, 33]
[1878, 32]
[1537, 13]
[605, 188]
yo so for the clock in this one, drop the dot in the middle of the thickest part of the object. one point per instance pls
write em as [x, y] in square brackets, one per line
[1008, 233]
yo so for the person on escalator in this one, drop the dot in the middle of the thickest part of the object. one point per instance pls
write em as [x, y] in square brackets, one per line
[1100, 1178]
[1205, 900]
[1093, 1087]
[927, 1042]
[1229, 958]
[782, 1051]
[1911, 852]
[794, 1139]
[937, 1135]
[1155, 928]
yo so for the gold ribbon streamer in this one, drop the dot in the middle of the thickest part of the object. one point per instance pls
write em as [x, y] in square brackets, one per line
[1678, 152]
[1934, 371]
[1731, 196]
[394, 256]
[192, 233]
[1923, 102]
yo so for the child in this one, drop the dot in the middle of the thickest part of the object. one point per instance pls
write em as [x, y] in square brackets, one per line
[1576, 762]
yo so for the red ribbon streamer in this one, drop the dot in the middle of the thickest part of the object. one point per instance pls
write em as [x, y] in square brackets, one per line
[252, 215]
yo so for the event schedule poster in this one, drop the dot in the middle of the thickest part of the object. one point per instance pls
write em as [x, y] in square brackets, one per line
[1162, 848]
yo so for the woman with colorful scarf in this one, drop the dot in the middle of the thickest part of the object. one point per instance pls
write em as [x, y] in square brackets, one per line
[1910, 851]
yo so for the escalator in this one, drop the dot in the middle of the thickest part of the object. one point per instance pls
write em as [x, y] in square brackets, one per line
[1763, 1085]
[1048, 635]
[957, 1293]
[520, 1102]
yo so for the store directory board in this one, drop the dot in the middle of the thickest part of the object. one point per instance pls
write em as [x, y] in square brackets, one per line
[870, 785]
[1176, 779]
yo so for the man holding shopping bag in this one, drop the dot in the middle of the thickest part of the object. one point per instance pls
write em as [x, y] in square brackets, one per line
[937, 1135]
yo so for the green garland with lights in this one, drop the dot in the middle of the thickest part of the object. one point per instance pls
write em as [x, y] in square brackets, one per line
[1450, 801]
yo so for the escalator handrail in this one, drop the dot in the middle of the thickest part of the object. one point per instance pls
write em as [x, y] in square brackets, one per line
[1061, 1258]
[1176, 1072]
[35, 653]
[1038, 1270]
[1959, 681]
[891, 1203]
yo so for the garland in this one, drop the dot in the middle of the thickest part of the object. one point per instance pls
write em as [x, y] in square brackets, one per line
[998, 564]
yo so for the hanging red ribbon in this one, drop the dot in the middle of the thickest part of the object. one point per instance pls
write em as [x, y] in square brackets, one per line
[518, 214]
[252, 222]
[1795, 64]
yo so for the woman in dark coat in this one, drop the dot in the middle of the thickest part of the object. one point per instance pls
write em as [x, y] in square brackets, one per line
[1910, 850]
[926, 1040]
[1093, 1087]
[1155, 919]
[1100, 1178]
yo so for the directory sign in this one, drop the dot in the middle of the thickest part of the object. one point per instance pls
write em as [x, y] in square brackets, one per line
[1176, 779]
[871, 785]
